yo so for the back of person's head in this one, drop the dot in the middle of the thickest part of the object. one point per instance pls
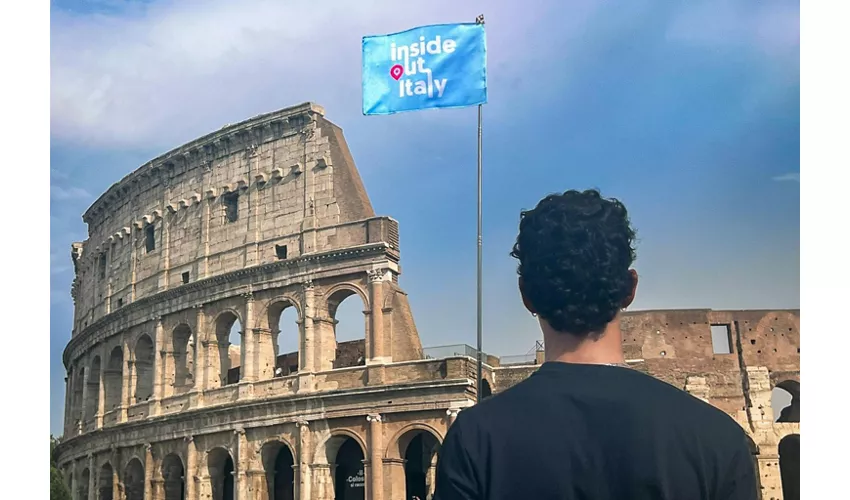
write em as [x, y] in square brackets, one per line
[575, 252]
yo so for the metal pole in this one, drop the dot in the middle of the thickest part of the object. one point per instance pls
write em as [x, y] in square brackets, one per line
[480, 258]
[479, 326]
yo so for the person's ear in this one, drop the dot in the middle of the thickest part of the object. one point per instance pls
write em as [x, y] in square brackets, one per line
[525, 300]
[631, 296]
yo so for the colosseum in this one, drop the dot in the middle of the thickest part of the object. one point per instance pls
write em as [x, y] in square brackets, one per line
[176, 388]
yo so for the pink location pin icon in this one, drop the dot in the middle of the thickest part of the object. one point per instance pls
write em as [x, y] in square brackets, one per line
[396, 71]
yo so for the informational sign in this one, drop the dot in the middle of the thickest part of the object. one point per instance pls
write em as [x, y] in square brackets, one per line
[438, 66]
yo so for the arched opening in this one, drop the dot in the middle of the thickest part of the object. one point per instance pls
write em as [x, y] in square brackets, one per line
[144, 368]
[228, 334]
[112, 380]
[134, 480]
[173, 475]
[286, 339]
[785, 401]
[349, 474]
[419, 449]
[93, 390]
[183, 346]
[278, 463]
[77, 399]
[85, 476]
[220, 465]
[349, 328]
[106, 483]
[486, 391]
[789, 466]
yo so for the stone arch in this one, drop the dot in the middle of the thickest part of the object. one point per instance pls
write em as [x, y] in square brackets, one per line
[278, 460]
[230, 358]
[106, 483]
[93, 390]
[325, 454]
[143, 355]
[83, 488]
[113, 379]
[349, 341]
[486, 389]
[173, 475]
[181, 366]
[416, 446]
[789, 466]
[344, 453]
[221, 467]
[134, 480]
[783, 409]
[275, 360]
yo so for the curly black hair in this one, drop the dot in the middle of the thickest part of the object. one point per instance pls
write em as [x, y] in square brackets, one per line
[575, 252]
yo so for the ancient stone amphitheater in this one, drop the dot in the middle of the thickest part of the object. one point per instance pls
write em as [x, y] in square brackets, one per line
[223, 236]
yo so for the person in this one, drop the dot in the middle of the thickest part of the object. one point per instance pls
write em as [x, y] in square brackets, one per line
[585, 425]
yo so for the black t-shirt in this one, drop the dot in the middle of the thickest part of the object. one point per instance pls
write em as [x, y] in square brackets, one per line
[595, 432]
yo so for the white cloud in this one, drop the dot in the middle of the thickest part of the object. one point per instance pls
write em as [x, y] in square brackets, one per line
[175, 70]
[60, 193]
[789, 177]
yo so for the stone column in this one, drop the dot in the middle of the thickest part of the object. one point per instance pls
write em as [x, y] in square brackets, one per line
[303, 461]
[241, 466]
[191, 465]
[92, 477]
[376, 314]
[158, 361]
[375, 477]
[249, 368]
[308, 354]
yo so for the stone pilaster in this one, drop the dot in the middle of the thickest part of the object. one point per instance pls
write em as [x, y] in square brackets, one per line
[149, 472]
[84, 403]
[201, 354]
[308, 334]
[92, 478]
[302, 482]
[191, 469]
[126, 375]
[101, 389]
[249, 370]
[158, 364]
[241, 466]
[376, 467]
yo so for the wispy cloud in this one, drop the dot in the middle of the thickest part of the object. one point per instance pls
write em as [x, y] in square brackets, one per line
[172, 70]
[59, 193]
[789, 177]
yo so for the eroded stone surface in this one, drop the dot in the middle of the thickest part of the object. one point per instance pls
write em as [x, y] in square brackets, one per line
[271, 214]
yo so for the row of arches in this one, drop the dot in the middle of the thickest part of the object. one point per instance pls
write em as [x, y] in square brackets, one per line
[345, 459]
[279, 353]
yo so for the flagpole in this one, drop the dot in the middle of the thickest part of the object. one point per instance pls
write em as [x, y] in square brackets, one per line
[479, 325]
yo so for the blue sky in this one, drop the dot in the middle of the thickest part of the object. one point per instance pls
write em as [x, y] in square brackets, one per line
[688, 111]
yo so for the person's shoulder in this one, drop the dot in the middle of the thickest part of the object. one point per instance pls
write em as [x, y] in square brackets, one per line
[498, 406]
[698, 413]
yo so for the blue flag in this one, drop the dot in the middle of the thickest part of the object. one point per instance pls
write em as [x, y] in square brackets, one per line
[439, 66]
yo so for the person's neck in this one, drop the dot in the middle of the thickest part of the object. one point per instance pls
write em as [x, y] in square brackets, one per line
[601, 349]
